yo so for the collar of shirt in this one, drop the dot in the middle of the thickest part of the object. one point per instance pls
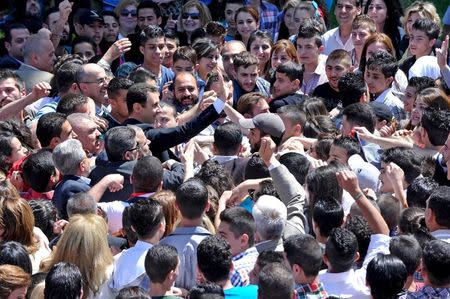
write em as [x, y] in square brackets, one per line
[193, 230]
[382, 97]
[223, 159]
[248, 251]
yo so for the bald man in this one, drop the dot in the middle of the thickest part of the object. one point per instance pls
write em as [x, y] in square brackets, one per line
[230, 49]
[93, 82]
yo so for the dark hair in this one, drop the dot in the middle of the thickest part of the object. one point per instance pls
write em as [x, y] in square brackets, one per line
[133, 293]
[359, 226]
[240, 222]
[436, 123]
[70, 103]
[45, 215]
[421, 83]
[5, 150]
[49, 126]
[351, 87]
[150, 32]
[360, 114]
[386, 276]
[147, 174]
[207, 290]
[292, 70]
[305, 251]
[392, 23]
[110, 14]
[256, 169]
[203, 47]
[159, 261]
[19, 129]
[411, 220]
[261, 35]
[228, 139]
[10, 28]
[130, 234]
[327, 214]
[214, 258]
[141, 75]
[314, 106]
[390, 209]
[295, 115]
[268, 257]
[349, 144]
[185, 53]
[192, 198]
[431, 28]
[275, 281]
[64, 280]
[341, 249]
[216, 176]
[408, 250]
[37, 170]
[384, 62]
[150, 4]
[311, 28]
[406, 158]
[419, 191]
[10, 74]
[66, 75]
[83, 39]
[138, 94]
[436, 262]
[215, 28]
[245, 60]
[322, 183]
[116, 84]
[145, 217]
[297, 164]
[118, 141]
[266, 187]
[439, 203]
[320, 125]
[14, 253]
[170, 33]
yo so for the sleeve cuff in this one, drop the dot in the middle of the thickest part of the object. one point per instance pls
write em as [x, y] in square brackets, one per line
[274, 165]
[219, 105]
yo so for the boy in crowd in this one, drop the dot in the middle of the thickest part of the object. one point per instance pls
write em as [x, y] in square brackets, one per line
[276, 282]
[286, 88]
[231, 6]
[161, 266]
[362, 27]
[153, 47]
[172, 44]
[304, 255]
[422, 38]
[246, 74]
[338, 64]
[309, 48]
[340, 37]
[379, 76]
[415, 85]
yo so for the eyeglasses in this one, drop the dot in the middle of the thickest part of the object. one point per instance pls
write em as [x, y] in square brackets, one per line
[126, 13]
[137, 147]
[98, 81]
[194, 16]
[229, 57]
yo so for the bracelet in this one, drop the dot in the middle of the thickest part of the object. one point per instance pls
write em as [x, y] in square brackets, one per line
[358, 195]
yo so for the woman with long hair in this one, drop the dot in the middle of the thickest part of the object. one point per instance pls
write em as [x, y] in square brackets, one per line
[247, 21]
[194, 15]
[260, 44]
[14, 282]
[171, 213]
[84, 243]
[17, 224]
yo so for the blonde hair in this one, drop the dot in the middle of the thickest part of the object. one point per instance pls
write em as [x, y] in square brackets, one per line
[122, 4]
[16, 218]
[425, 10]
[85, 245]
[12, 278]
[205, 15]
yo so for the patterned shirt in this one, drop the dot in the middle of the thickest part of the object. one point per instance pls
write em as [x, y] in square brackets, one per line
[429, 292]
[243, 263]
[269, 19]
[311, 291]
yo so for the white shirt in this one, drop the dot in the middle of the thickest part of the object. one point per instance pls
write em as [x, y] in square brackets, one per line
[352, 283]
[114, 211]
[43, 251]
[395, 104]
[442, 234]
[130, 268]
[332, 41]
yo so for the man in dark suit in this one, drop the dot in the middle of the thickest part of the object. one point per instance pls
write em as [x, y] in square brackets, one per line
[143, 105]
[15, 37]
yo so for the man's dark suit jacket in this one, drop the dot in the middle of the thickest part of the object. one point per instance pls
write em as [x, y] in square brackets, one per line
[164, 139]
[291, 99]
[8, 62]
[65, 189]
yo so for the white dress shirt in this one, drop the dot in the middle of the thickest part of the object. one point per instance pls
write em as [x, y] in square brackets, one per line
[332, 41]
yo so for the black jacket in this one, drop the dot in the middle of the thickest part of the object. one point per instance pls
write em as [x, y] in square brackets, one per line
[291, 99]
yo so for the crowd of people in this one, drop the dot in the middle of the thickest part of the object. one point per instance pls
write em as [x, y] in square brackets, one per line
[210, 149]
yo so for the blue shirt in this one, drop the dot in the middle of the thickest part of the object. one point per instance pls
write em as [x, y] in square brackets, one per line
[248, 292]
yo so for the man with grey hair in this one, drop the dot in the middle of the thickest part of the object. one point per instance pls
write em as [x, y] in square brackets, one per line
[71, 161]
[38, 57]
[81, 203]
[270, 218]
[87, 131]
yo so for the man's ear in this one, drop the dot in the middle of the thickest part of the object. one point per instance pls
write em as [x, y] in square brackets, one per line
[141, 49]
[321, 48]
[431, 42]
[137, 107]
[357, 256]
[244, 240]
[54, 142]
[159, 21]
[78, 28]
[7, 45]
[389, 80]
[196, 67]
[351, 69]
[296, 83]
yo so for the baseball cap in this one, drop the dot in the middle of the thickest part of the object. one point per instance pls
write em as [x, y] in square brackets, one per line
[86, 16]
[381, 111]
[269, 123]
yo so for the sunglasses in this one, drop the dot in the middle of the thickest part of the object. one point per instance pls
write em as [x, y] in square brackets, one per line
[194, 16]
[126, 13]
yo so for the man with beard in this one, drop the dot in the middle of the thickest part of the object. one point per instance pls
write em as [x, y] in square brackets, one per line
[16, 35]
[89, 23]
[186, 91]
[265, 124]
